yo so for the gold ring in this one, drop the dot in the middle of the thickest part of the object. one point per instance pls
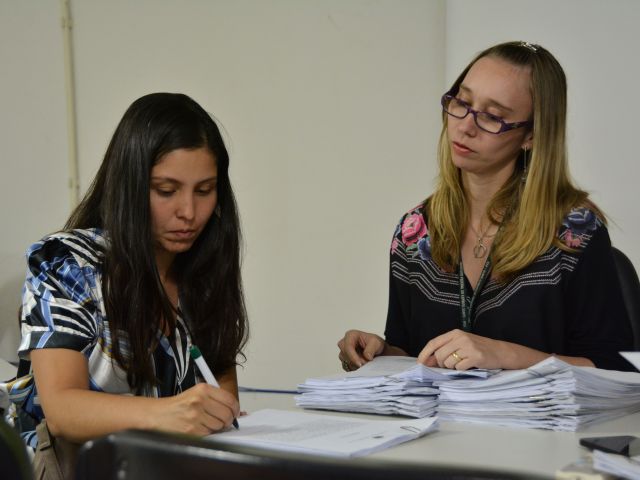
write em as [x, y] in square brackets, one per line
[456, 356]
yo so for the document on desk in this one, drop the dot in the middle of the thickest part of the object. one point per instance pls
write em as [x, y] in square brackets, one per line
[387, 385]
[383, 369]
[633, 358]
[330, 435]
[618, 465]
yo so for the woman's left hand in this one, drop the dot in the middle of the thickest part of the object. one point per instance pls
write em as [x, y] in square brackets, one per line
[462, 350]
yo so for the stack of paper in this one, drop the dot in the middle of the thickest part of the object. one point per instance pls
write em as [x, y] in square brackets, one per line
[386, 385]
[616, 464]
[322, 434]
[551, 395]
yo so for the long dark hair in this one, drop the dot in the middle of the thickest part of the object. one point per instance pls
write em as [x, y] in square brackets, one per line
[208, 274]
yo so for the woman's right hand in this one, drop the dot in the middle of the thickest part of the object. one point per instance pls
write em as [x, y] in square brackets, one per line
[200, 410]
[358, 347]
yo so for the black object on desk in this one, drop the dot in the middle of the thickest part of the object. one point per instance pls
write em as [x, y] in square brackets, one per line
[133, 455]
[620, 444]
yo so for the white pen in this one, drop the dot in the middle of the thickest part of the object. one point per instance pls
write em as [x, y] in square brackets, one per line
[205, 371]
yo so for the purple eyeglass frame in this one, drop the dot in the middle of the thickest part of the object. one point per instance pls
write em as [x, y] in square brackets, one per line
[447, 97]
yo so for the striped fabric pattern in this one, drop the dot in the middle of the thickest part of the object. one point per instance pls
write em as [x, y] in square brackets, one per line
[63, 307]
[411, 262]
[566, 302]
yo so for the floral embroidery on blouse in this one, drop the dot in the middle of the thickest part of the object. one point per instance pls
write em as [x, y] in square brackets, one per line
[424, 247]
[394, 245]
[412, 231]
[413, 228]
[576, 224]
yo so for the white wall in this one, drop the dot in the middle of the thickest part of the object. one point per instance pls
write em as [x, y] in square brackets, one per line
[326, 105]
[598, 45]
[331, 110]
[331, 115]
[33, 137]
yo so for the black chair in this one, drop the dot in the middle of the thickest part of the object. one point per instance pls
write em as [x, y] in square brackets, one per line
[14, 460]
[630, 292]
[134, 454]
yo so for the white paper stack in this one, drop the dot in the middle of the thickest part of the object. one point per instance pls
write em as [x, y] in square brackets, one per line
[617, 465]
[386, 385]
[550, 395]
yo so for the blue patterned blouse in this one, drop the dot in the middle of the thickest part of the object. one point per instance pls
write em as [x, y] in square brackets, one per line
[62, 307]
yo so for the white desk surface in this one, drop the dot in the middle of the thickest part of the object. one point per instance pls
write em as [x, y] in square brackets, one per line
[521, 450]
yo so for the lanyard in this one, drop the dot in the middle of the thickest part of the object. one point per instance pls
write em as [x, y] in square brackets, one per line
[466, 305]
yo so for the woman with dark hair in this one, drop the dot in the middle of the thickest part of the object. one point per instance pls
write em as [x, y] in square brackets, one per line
[146, 266]
[507, 262]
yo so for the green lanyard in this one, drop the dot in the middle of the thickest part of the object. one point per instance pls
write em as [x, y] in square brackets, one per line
[466, 304]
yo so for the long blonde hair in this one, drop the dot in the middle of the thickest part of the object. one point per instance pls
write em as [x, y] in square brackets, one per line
[531, 211]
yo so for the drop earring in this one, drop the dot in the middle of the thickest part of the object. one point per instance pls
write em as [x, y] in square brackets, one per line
[525, 159]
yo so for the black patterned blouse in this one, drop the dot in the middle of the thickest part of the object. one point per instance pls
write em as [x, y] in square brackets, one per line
[563, 303]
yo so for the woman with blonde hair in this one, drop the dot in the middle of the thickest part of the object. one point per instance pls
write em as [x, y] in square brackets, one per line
[507, 262]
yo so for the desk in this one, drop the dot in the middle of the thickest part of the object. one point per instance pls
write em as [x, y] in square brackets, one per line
[461, 444]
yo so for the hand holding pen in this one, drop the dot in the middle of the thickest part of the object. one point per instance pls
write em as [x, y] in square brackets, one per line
[206, 373]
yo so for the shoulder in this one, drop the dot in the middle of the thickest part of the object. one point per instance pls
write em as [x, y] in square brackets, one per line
[62, 304]
[578, 226]
[412, 231]
[83, 247]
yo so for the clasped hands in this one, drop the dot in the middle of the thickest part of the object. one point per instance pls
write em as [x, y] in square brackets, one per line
[455, 349]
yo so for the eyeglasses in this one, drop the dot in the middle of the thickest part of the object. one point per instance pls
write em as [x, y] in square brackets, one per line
[485, 121]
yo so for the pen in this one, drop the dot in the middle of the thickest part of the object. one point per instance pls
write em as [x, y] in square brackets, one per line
[205, 371]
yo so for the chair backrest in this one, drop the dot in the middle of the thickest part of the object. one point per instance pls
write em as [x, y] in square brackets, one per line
[630, 292]
[133, 455]
[14, 460]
